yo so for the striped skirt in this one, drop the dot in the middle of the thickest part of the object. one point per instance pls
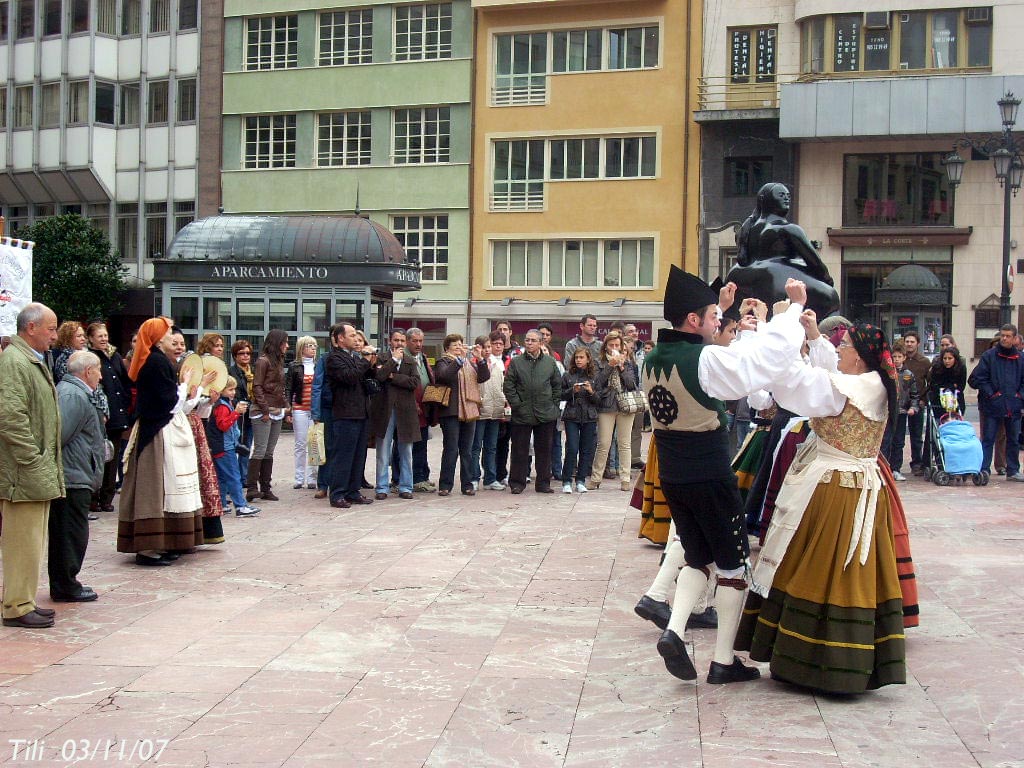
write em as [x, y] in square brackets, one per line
[824, 626]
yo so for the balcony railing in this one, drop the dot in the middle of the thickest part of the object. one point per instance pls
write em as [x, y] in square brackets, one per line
[518, 95]
[515, 200]
[727, 92]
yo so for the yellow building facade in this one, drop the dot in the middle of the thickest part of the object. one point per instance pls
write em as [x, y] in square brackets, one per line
[585, 183]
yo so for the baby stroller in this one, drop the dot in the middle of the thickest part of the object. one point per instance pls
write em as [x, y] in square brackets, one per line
[955, 449]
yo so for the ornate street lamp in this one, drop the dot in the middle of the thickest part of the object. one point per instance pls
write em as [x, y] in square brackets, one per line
[1005, 152]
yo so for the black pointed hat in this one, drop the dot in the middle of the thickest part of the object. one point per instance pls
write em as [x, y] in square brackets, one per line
[685, 293]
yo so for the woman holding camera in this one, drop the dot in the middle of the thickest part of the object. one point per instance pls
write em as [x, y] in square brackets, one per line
[614, 375]
[580, 420]
[458, 418]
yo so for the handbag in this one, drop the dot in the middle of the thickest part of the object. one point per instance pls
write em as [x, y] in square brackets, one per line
[634, 401]
[315, 445]
[439, 395]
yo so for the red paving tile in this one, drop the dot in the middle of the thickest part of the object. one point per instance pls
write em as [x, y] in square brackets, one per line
[489, 631]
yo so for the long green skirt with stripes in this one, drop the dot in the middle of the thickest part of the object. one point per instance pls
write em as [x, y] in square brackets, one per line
[824, 626]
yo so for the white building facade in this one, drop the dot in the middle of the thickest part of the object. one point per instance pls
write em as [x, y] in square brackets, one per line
[869, 98]
[98, 116]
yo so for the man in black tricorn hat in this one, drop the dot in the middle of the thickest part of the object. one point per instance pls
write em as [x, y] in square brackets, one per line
[687, 379]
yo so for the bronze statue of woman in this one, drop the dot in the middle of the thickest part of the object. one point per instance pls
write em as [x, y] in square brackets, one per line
[773, 249]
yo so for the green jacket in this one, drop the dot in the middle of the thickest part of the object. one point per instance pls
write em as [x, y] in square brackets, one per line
[533, 388]
[30, 460]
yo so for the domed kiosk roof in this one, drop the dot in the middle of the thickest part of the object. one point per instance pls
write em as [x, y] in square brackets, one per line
[912, 285]
[260, 250]
[287, 238]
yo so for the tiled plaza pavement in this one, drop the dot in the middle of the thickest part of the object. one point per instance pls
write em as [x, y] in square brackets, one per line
[494, 630]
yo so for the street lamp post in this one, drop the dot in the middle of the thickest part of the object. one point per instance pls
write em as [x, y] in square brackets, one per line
[1005, 152]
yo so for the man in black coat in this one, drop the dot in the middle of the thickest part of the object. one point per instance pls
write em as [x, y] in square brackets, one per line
[345, 372]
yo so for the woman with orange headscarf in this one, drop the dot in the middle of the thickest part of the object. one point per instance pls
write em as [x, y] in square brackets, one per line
[160, 506]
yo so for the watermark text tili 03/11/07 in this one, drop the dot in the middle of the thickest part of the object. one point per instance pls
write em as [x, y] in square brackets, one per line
[86, 750]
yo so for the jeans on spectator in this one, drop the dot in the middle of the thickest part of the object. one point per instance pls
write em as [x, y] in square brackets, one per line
[580, 444]
[915, 425]
[245, 439]
[1012, 446]
[502, 451]
[556, 454]
[348, 459]
[893, 441]
[457, 446]
[384, 450]
[231, 488]
[485, 447]
[420, 466]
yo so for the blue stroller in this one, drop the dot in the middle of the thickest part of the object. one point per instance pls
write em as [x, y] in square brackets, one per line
[955, 449]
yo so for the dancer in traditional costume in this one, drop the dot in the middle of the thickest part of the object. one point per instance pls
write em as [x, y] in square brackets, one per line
[160, 504]
[687, 381]
[825, 607]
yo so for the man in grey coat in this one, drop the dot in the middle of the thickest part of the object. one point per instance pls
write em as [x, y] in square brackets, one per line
[83, 453]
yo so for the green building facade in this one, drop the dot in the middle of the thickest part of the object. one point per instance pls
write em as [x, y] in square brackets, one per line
[332, 108]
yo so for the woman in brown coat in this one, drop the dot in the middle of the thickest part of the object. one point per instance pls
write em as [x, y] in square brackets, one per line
[269, 407]
[458, 419]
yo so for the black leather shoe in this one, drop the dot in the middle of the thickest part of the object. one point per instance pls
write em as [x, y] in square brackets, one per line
[141, 559]
[706, 620]
[516, 488]
[543, 489]
[341, 504]
[677, 660]
[732, 673]
[170, 556]
[30, 620]
[360, 500]
[654, 610]
[84, 595]
[47, 612]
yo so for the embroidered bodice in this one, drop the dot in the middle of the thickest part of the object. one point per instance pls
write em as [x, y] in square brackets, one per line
[851, 432]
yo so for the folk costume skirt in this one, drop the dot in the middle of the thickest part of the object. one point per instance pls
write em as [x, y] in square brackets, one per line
[655, 517]
[209, 487]
[748, 459]
[823, 626]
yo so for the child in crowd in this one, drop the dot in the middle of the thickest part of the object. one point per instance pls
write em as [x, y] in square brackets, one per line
[909, 404]
[222, 433]
[580, 420]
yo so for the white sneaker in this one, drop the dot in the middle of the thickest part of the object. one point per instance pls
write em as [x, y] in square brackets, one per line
[581, 487]
[566, 487]
[246, 511]
[476, 485]
[898, 476]
[496, 486]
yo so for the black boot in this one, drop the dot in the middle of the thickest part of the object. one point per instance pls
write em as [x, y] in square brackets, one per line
[251, 490]
[266, 473]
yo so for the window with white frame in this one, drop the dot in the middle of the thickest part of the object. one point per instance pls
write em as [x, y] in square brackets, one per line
[577, 50]
[518, 175]
[128, 113]
[188, 14]
[156, 229]
[103, 112]
[270, 141]
[520, 68]
[584, 263]
[127, 230]
[272, 42]
[159, 15]
[23, 106]
[523, 166]
[346, 37]
[524, 60]
[343, 138]
[157, 108]
[25, 20]
[51, 17]
[425, 239]
[131, 17]
[78, 16]
[423, 32]
[422, 135]
[184, 214]
[49, 105]
[633, 47]
[3, 106]
[106, 17]
[186, 108]
[78, 102]
[5, 10]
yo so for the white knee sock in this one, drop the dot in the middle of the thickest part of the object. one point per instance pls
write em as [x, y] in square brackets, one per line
[729, 603]
[689, 587]
[665, 580]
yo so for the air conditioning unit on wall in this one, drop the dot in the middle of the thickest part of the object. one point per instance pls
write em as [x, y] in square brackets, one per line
[979, 15]
[876, 20]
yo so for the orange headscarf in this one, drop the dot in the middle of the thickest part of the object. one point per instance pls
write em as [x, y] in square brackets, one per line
[150, 333]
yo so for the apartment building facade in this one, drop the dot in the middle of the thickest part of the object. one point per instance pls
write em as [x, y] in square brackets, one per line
[861, 106]
[585, 159]
[98, 116]
[355, 107]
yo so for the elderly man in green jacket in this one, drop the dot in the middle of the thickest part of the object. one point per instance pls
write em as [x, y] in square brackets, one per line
[31, 474]
[533, 388]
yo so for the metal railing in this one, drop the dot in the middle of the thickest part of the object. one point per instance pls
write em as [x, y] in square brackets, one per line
[748, 92]
[517, 201]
